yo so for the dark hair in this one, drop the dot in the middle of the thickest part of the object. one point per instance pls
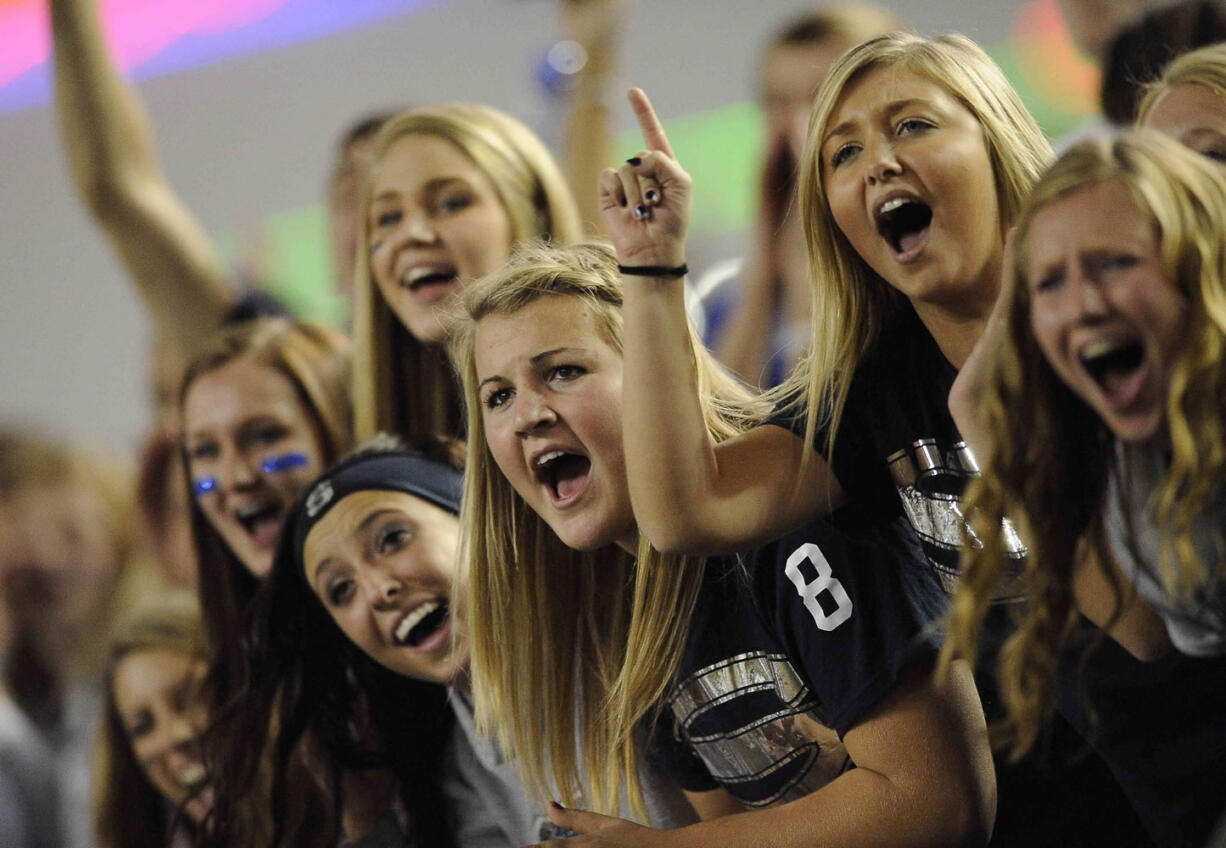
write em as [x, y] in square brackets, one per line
[364, 127]
[851, 23]
[304, 689]
[1138, 53]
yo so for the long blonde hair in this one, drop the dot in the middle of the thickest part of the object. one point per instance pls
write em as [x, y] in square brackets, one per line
[1205, 66]
[402, 385]
[570, 650]
[1050, 458]
[850, 301]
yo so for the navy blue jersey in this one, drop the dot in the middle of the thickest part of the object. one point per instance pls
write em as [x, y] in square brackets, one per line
[790, 646]
[897, 450]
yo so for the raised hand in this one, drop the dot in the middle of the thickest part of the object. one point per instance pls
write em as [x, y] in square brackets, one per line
[969, 387]
[646, 202]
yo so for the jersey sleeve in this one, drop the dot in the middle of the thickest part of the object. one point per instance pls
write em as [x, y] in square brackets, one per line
[673, 757]
[854, 603]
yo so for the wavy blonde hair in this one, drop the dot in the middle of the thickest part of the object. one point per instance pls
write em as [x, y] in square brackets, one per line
[402, 385]
[1051, 457]
[850, 300]
[1205, 66]
[570, 650]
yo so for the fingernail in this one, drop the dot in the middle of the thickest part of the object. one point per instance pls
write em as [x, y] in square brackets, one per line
[640, 212]
[557, 806]
[634, 160]
[651, 196]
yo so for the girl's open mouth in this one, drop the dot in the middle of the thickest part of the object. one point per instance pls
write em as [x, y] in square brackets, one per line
[565, 475]
[904, 223]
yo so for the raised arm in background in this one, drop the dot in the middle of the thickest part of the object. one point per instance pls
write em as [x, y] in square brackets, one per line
[597, 26]
[689, 495]
[114, 166]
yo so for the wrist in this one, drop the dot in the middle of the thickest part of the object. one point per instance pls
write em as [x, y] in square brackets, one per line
[660, 271]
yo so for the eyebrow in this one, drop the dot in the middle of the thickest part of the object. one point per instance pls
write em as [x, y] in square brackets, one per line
[536, 360]
[891, 108]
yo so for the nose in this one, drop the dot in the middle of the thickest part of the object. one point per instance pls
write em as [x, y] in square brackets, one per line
[236, 471]
[382, 588]
[419, 229]
[880, 161]
[1085, 293]
[532, 411]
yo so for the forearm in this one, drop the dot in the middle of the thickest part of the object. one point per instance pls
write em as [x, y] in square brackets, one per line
[669, 454]
[113, 163]
[860, 808]
[587, 148]
[743, 345]
[933, 783]
[106, 132]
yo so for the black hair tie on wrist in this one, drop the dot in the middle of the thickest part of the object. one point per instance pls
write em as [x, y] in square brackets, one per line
[654, 270]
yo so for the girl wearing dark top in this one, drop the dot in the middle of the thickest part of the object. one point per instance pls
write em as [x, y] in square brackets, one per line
[767, 683]
[919, 156]
[1103, 385]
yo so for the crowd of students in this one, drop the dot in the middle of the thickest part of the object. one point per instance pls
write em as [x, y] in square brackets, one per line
[527, 562]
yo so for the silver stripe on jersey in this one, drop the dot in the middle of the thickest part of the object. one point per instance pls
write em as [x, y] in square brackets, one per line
[770, 742]
[930, 481]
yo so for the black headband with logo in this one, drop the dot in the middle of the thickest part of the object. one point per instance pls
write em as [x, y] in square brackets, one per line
[391, 471]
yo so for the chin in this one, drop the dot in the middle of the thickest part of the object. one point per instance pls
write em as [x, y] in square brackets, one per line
[428, 330]
[258, 565]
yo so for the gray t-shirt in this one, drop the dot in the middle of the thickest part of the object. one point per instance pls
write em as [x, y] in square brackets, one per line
[492, 808]
[1196, 624]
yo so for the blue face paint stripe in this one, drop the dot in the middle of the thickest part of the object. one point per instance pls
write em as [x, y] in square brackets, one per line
[203, 486]
[284, 462]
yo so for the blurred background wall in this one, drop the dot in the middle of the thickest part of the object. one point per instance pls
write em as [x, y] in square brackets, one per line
[247, 97]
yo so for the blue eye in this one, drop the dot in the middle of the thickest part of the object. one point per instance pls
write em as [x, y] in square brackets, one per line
[843, 154]
[910, 125]
[284, 462]
[453, 203]
[497, 398]
[387, 219]
[204, 486]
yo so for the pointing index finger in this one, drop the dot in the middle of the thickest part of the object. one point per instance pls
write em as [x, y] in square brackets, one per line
[653, 131]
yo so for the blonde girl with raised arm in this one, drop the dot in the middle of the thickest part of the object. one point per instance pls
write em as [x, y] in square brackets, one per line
[918, 158]
[452, 188]
[918, 155]
[789, 681]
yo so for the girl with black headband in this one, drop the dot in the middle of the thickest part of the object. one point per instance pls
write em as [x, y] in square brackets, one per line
[374, 541]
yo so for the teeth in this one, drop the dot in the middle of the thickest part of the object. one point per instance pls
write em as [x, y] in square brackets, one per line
[245, 512]
[1095, 349]
[413, 619]
[193, 774]
[423, 271]
[891, 205]
[546, 458]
